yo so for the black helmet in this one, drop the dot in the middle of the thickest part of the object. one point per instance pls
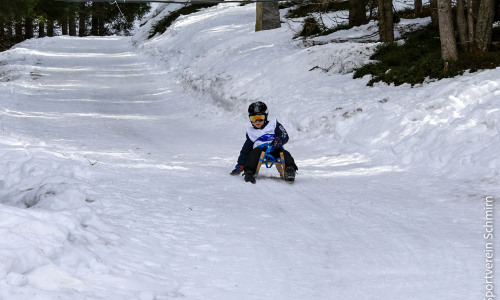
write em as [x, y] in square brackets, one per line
[257, 108]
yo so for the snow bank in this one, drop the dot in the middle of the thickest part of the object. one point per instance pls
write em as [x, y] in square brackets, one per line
[171, 224]
[45, 212]
[449, 126]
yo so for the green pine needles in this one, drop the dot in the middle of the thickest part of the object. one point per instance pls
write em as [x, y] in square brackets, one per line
[417, 58]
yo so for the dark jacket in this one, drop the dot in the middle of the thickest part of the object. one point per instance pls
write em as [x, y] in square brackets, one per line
[279, 131]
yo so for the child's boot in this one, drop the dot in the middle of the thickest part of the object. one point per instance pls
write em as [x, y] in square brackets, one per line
[249, 176]
[290, 174]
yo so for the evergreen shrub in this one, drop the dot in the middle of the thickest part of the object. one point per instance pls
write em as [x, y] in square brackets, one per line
[418, 58]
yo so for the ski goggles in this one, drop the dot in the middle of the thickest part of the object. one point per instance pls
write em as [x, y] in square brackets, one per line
[257, 118]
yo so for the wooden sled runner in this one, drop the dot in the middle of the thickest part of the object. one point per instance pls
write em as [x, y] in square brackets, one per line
[269, 161]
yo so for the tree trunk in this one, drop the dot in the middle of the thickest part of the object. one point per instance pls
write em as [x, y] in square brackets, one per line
[268, 16]
[19, 31]
[357, 12]
[50, 28]
[462, 26]
[385, 21]
[484, 26]
[72, 26]
[434, 13]
[470, 22]
[418, 8]
[475, 8]
[95, 26]
[102, 31]
[64, 26]
[41, 29]
[446, 31]
[28, 25]
[82, 17]
[97, 19]
[81, 26]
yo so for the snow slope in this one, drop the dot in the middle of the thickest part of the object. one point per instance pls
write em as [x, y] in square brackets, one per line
[115, 155]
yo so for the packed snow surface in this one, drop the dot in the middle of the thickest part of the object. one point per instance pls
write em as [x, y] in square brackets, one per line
[115, 156]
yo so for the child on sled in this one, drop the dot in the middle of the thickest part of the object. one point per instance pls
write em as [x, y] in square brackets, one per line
[261, 133]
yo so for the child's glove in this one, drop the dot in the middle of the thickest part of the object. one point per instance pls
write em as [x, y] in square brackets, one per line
[276, 143]
[237, 170]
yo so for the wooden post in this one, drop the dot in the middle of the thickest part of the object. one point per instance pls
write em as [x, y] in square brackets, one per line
[267, 16]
